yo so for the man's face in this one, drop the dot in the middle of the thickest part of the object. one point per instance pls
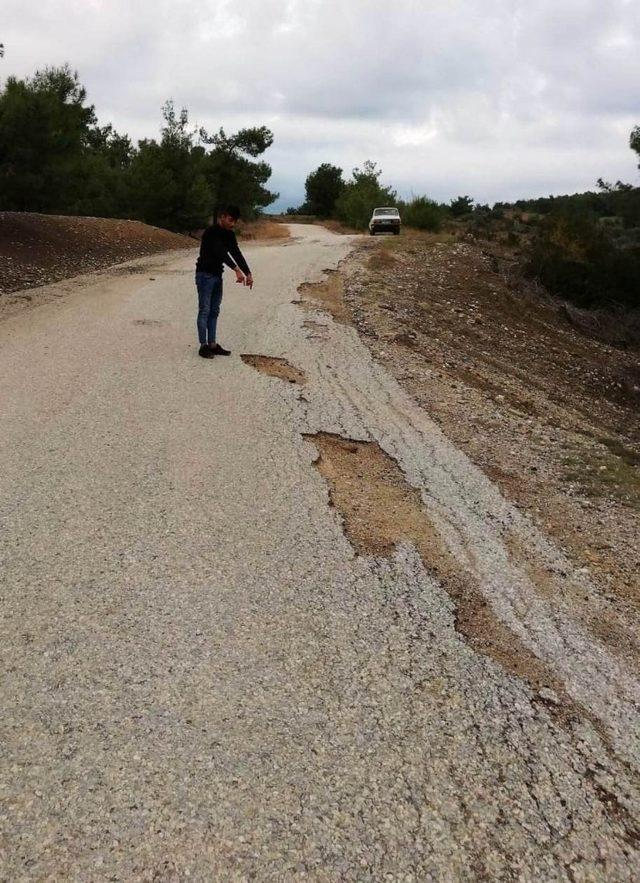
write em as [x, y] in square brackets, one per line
[227, 222]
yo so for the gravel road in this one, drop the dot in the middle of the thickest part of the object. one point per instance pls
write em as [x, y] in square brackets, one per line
[202, 680]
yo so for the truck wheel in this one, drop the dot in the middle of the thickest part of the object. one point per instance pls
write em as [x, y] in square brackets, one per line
[372, 233]
[396, 232]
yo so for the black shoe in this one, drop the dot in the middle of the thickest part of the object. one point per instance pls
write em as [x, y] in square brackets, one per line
[206, 352]
[217, 350]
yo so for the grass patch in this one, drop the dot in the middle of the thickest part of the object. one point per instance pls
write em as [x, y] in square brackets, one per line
[610, 473]
[615, 447]
[337, 227]
[382, 259]
[410, 238]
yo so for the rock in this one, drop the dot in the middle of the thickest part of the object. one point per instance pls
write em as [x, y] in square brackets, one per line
[549, 695]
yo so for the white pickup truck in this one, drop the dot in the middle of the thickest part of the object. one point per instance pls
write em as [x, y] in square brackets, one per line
[385, 220]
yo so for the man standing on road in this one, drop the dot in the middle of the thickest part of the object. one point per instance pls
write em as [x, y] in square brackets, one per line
[218, 246]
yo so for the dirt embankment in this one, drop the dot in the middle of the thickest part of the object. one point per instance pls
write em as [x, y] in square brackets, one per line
[39, 249]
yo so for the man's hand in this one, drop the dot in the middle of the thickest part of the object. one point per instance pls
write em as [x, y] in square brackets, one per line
[240, 276]
[249, 281]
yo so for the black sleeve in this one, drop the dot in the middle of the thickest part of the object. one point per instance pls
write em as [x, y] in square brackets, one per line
[235, 252]
[228, 261]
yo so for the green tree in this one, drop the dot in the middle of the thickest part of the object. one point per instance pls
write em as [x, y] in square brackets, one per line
[231, 172]
[462, 205]
[323, 187]
[54, 157]
[45, 128]
[102, 175]
[168, 185]
[361, 195]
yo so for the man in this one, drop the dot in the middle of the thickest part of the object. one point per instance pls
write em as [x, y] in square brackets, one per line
[218, 246]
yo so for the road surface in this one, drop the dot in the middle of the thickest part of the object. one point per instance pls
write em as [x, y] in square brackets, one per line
[202, 678]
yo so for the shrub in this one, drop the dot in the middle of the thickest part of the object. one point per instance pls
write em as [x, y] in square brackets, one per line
[480, 222]
[577, 258]
[423, 213]
[461, 206]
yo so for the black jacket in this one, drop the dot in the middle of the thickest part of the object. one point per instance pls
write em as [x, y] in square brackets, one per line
[217, 247]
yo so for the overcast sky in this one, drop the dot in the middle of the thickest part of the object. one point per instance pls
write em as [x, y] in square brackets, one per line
[493, 98]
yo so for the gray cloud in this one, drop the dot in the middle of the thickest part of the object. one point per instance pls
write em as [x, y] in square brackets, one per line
[499, 98]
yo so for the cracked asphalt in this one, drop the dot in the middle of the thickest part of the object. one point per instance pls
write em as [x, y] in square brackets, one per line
[201, 680]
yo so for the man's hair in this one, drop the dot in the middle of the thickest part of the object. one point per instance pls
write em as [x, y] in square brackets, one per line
[232, 210]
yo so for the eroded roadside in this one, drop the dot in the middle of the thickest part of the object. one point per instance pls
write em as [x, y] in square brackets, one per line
[549, 415]
[520, 587]
[383, 516]
[380, 512]
[564, 454]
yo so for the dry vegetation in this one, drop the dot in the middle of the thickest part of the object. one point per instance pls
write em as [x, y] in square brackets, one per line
[337, 227]
[329, 223]
[262, 229]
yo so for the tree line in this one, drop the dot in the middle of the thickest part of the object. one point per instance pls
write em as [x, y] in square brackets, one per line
[352, 201]
[55, 158]
[584, 247]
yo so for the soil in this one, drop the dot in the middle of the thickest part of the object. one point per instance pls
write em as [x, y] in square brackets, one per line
[275, 367]
[38, 249]
[327, 295]
[550, 415]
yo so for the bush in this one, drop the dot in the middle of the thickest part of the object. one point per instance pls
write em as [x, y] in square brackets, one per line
[480, 222]
[577, 258]
[461, 206]
[423, 213]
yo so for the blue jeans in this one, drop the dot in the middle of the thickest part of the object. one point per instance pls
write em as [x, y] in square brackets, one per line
[209, 299]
